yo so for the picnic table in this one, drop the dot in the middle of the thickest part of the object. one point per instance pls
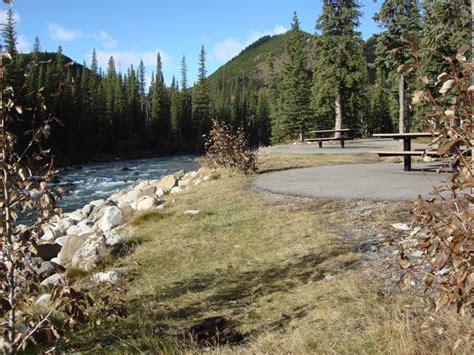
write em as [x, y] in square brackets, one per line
[320, 133]
[407, 153]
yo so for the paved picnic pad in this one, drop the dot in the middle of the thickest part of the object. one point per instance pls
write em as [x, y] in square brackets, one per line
[378, 181]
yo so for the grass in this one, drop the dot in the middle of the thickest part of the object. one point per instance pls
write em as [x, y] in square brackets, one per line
[286, 272]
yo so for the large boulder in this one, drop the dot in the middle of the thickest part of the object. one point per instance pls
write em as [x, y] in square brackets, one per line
[90, 253]
[185, 182]
[108, 277]
[114, 237]
[166, 183]
[179, 174]
[51, 233]
[147, 203]
[112, 218]
[64, 224]
[70, 247]
[77, 216]
[73, 230]
[54, 279]
[99, 210]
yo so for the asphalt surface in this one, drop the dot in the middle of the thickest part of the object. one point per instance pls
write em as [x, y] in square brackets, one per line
[357, 146]
[387, 181]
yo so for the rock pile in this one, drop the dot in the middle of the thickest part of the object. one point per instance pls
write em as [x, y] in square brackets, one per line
[80, 239]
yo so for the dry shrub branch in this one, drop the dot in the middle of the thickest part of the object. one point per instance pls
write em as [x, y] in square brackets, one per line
[229, 150]
[441, 249]
[26, 169]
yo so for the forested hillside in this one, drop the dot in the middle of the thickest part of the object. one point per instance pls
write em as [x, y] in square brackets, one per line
[276, 89]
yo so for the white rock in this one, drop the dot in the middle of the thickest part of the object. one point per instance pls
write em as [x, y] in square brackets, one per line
[108, 277]
[112, 218]
[58, 261]
[184, 182]
[197, 182]
[401, 226]
[147, 203]
[64, 224]
[179, 174]
[176, 190]
[49, 235]
[96, 203]
[142, 186]
[87, 209]
[43, 300]
[113, 237]
[77, 216]
[73, 230]
[192, 212]
[90, 253]
[54, 279]
[160, 192]
[85, 226]
[207, 178]
[61, 240]
[193, 174]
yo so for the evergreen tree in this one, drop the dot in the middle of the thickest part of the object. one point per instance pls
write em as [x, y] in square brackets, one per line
[160, 116]
[186, 126]
[94, 62]
[200, 99]
[340, 75]
[401, 20]
[35, 51]
[297, 114]
[9, 34]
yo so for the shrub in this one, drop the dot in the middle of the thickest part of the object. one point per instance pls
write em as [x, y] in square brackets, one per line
[229, 150]
[444, 245]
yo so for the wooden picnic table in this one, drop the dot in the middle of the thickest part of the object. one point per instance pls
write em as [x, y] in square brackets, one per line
[320, 139]
[407, 138]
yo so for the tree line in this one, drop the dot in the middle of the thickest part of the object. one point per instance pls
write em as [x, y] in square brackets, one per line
[321, 81]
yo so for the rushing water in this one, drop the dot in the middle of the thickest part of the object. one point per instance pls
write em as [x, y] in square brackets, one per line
[83, 184]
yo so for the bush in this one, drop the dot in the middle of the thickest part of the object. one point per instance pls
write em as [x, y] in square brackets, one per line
[444, 245]
[229, 150]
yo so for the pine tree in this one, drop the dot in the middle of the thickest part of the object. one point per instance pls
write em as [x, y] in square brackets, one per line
[94, 62]
[401, 20]
[296, 83]
[340, 75]
[160, 116]
[200, 99]
[186, 125]
[9, 34]
[35, 51]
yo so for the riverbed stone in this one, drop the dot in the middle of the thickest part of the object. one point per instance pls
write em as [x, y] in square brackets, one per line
[64, 224]
[70, 247]
[112, 218]
[192, 212]
[87, 209]
[43, 300]
[53, 280]
[45, 268]
[160, 192]
[99, 210]
[51, 233]
[77, 216]
[147, 203]
[85, 226]
[61, 240]
[176, 190]
[90, 253]
[184, 182]
[179, 174]
[115, 237]
[108, 277]
[166, 183]
[73, 230]
[197, 182]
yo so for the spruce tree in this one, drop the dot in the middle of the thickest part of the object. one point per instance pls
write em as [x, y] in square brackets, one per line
[200, 99]
[401, 20]
[9, 34]
[296, 83]
[94, 63]
[340, 75]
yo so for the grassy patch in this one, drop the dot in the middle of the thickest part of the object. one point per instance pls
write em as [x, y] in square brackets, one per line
[284, 271]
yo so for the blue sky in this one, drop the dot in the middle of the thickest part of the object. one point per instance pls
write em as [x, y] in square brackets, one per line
[136, 29]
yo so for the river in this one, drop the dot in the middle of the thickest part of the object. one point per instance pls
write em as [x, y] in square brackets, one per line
[85, 183]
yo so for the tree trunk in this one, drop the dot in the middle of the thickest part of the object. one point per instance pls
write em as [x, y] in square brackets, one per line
[403, 124]
[338, 124]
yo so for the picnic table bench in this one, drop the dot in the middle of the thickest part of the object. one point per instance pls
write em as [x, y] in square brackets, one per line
[407, 153]
[320, 139]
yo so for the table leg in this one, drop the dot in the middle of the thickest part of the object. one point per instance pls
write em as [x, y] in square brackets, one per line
[407, 158]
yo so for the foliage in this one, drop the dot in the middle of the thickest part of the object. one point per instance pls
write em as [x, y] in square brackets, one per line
[230, 150]
[26, 169]
[447, 244]
[340, 72]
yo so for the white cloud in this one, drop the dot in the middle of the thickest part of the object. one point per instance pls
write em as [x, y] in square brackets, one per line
[3, 17]
[230, 47]
[107, 42]
[63, 34]
[23, 44]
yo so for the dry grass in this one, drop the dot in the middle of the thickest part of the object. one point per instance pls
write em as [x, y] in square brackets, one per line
[283, 270]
